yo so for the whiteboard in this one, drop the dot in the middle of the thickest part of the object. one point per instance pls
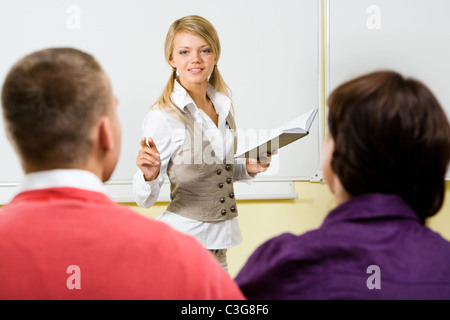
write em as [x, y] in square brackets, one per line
[270, 60]
[408, 36]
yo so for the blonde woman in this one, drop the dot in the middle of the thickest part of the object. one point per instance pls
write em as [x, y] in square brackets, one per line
[189, 134]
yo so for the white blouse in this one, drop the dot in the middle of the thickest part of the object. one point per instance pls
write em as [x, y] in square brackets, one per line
[168, 135]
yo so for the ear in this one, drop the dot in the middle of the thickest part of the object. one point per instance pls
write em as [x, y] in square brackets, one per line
[172, 63]
[105, 134]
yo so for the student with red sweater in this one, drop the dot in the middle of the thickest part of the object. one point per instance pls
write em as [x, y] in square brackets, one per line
[61, 237]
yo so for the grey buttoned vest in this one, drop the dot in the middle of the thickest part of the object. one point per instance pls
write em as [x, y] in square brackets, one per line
[201, 185]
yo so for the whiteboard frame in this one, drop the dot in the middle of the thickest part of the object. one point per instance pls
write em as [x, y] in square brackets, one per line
[121, 191]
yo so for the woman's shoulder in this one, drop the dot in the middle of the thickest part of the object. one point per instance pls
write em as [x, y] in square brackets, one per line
[158, 117]
[157, 113]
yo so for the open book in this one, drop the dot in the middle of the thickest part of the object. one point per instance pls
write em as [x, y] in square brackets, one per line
[280, 137]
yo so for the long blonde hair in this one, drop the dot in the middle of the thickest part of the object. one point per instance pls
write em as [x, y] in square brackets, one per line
[202, 28]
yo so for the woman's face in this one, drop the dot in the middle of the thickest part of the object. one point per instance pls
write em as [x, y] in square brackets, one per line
[193, 58]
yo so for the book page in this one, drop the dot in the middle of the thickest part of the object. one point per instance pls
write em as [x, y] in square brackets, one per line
[300, 124]
[278, 138]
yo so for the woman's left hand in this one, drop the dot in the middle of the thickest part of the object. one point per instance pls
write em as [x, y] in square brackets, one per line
[255, 166]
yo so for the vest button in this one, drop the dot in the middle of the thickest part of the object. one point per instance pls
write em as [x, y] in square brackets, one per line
[229, 180]
[221, 185]
[231, 195]
[228, 167]
[222, 200]
[233, 209]
[223, 212]
[219, 171]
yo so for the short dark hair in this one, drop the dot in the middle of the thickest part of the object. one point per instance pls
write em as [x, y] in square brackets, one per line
[391, 136]
[51, 100]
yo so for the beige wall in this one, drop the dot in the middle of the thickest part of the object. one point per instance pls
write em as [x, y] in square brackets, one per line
[263, 219]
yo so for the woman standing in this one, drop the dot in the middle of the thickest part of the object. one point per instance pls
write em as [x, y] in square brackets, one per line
[189, 134]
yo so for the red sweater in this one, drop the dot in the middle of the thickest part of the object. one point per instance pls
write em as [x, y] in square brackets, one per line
[68, 243]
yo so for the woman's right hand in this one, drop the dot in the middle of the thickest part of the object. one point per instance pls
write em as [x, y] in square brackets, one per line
[148, 159]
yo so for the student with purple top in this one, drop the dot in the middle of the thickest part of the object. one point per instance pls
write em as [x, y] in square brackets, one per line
[384, 159]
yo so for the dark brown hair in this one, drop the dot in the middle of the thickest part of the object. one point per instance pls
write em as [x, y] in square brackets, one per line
[391, 136]
[51, 100]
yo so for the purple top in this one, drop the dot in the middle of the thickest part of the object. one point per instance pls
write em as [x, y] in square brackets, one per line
[370, 247]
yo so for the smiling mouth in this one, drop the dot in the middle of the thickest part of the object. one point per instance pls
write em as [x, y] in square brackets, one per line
[195, 69]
